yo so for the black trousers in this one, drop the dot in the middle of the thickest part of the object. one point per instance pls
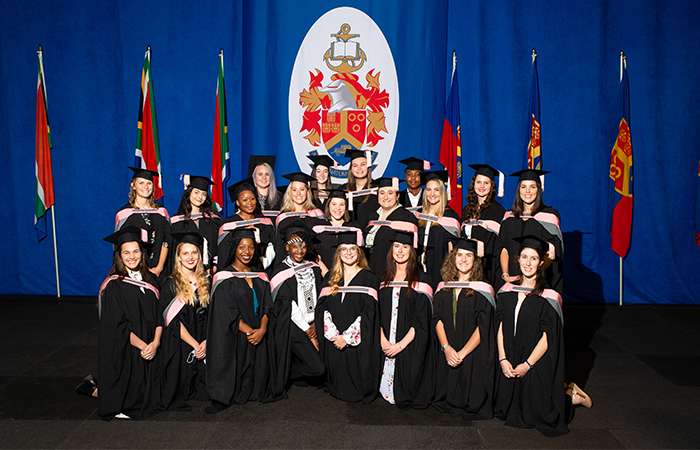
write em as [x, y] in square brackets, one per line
[306, 361]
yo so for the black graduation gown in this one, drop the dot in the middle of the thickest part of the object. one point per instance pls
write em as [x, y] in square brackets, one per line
[225, 247]
[238, 371]
[514, 227]
[537, 399]
[327, 243]
[414, 371]
[406, 202]
[491, 261]
[438, 246]
[264, 206]
[208, 227]
[352, 373]
[287, 294]
[184, 376]
[281, 244]
[158, 228]
[382, 246]
[129, 384]
[468, 388]
[363, 207]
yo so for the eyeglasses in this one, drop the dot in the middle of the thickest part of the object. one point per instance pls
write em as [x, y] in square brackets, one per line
[348, 250]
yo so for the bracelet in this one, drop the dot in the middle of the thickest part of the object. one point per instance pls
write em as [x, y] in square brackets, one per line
[445, 346]
[503, 276]
[501, 360]
[528, 363]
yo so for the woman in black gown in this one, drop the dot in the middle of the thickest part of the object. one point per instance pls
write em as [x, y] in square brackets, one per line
[143, 212]
[482, 216]
[321, 183]
[405, 313]
[438, 224]
[196, 214]
[388, 217]
[184, 300]
[464, 314]
[362, 195]
[338, 222]
[129, 332]
[296, 284]
[531, 216]
[240, 352]
[247, 215]
[530, 388]
[347, 314]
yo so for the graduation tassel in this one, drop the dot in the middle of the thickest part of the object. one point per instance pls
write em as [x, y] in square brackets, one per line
[501, 183]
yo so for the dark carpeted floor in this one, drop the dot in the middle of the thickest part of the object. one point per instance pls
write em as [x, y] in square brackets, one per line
[640, 365]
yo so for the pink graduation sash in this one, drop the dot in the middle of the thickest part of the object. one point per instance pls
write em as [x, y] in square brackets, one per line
[125, 213]
[450, 224]
[352, 194]
[488, 225]
[481, 287]
[549, 221]
[181, 217]
[270, 213]
[313, 213]
[230, 226]
[141, 284]
[550, 295]
[397, 225]
[175, 306]
[350, 290]
[423, 288]
[220, 277]
[284, 275]
[318, 229]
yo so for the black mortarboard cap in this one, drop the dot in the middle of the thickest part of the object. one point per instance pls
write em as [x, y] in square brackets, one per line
[467, 244]
[244, 185]
[529, 174]
[201, 183]
[531, 241]
[295, 226]
[403, 237]
[354, 153]
[322, 160]
[413, 163]
[441, 175]
[485, 170]
[242, 233]
[128, 234]
[255, 160]
[346, 237]
[298, 176]
[387, 182]
[336, 193]
[143, 173]
[188, 237]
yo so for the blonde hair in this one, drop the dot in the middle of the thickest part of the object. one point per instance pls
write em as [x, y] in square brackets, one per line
[288, 203]
[442, 204]
[182, 283]
[337, 271]
[132, 195]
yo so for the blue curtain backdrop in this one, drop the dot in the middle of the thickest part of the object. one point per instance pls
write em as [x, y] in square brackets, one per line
[93, 58]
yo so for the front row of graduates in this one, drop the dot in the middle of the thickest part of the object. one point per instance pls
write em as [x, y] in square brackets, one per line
[249, 337]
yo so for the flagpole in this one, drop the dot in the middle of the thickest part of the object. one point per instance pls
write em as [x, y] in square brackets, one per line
[622, 59]
[534, 55]
[224, 192]
[55, 250]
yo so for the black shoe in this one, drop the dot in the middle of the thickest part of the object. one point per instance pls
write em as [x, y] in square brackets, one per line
[87, 387]
[216, 407]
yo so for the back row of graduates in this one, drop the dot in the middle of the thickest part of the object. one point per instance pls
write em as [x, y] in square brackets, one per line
[355, 306]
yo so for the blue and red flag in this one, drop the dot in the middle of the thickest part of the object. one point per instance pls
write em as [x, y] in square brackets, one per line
[534, 151]
[220, 157]
[147, 146]
[44, 198]
[451, 145]
[622, 173]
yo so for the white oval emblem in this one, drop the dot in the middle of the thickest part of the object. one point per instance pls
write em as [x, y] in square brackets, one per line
[344, 92]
